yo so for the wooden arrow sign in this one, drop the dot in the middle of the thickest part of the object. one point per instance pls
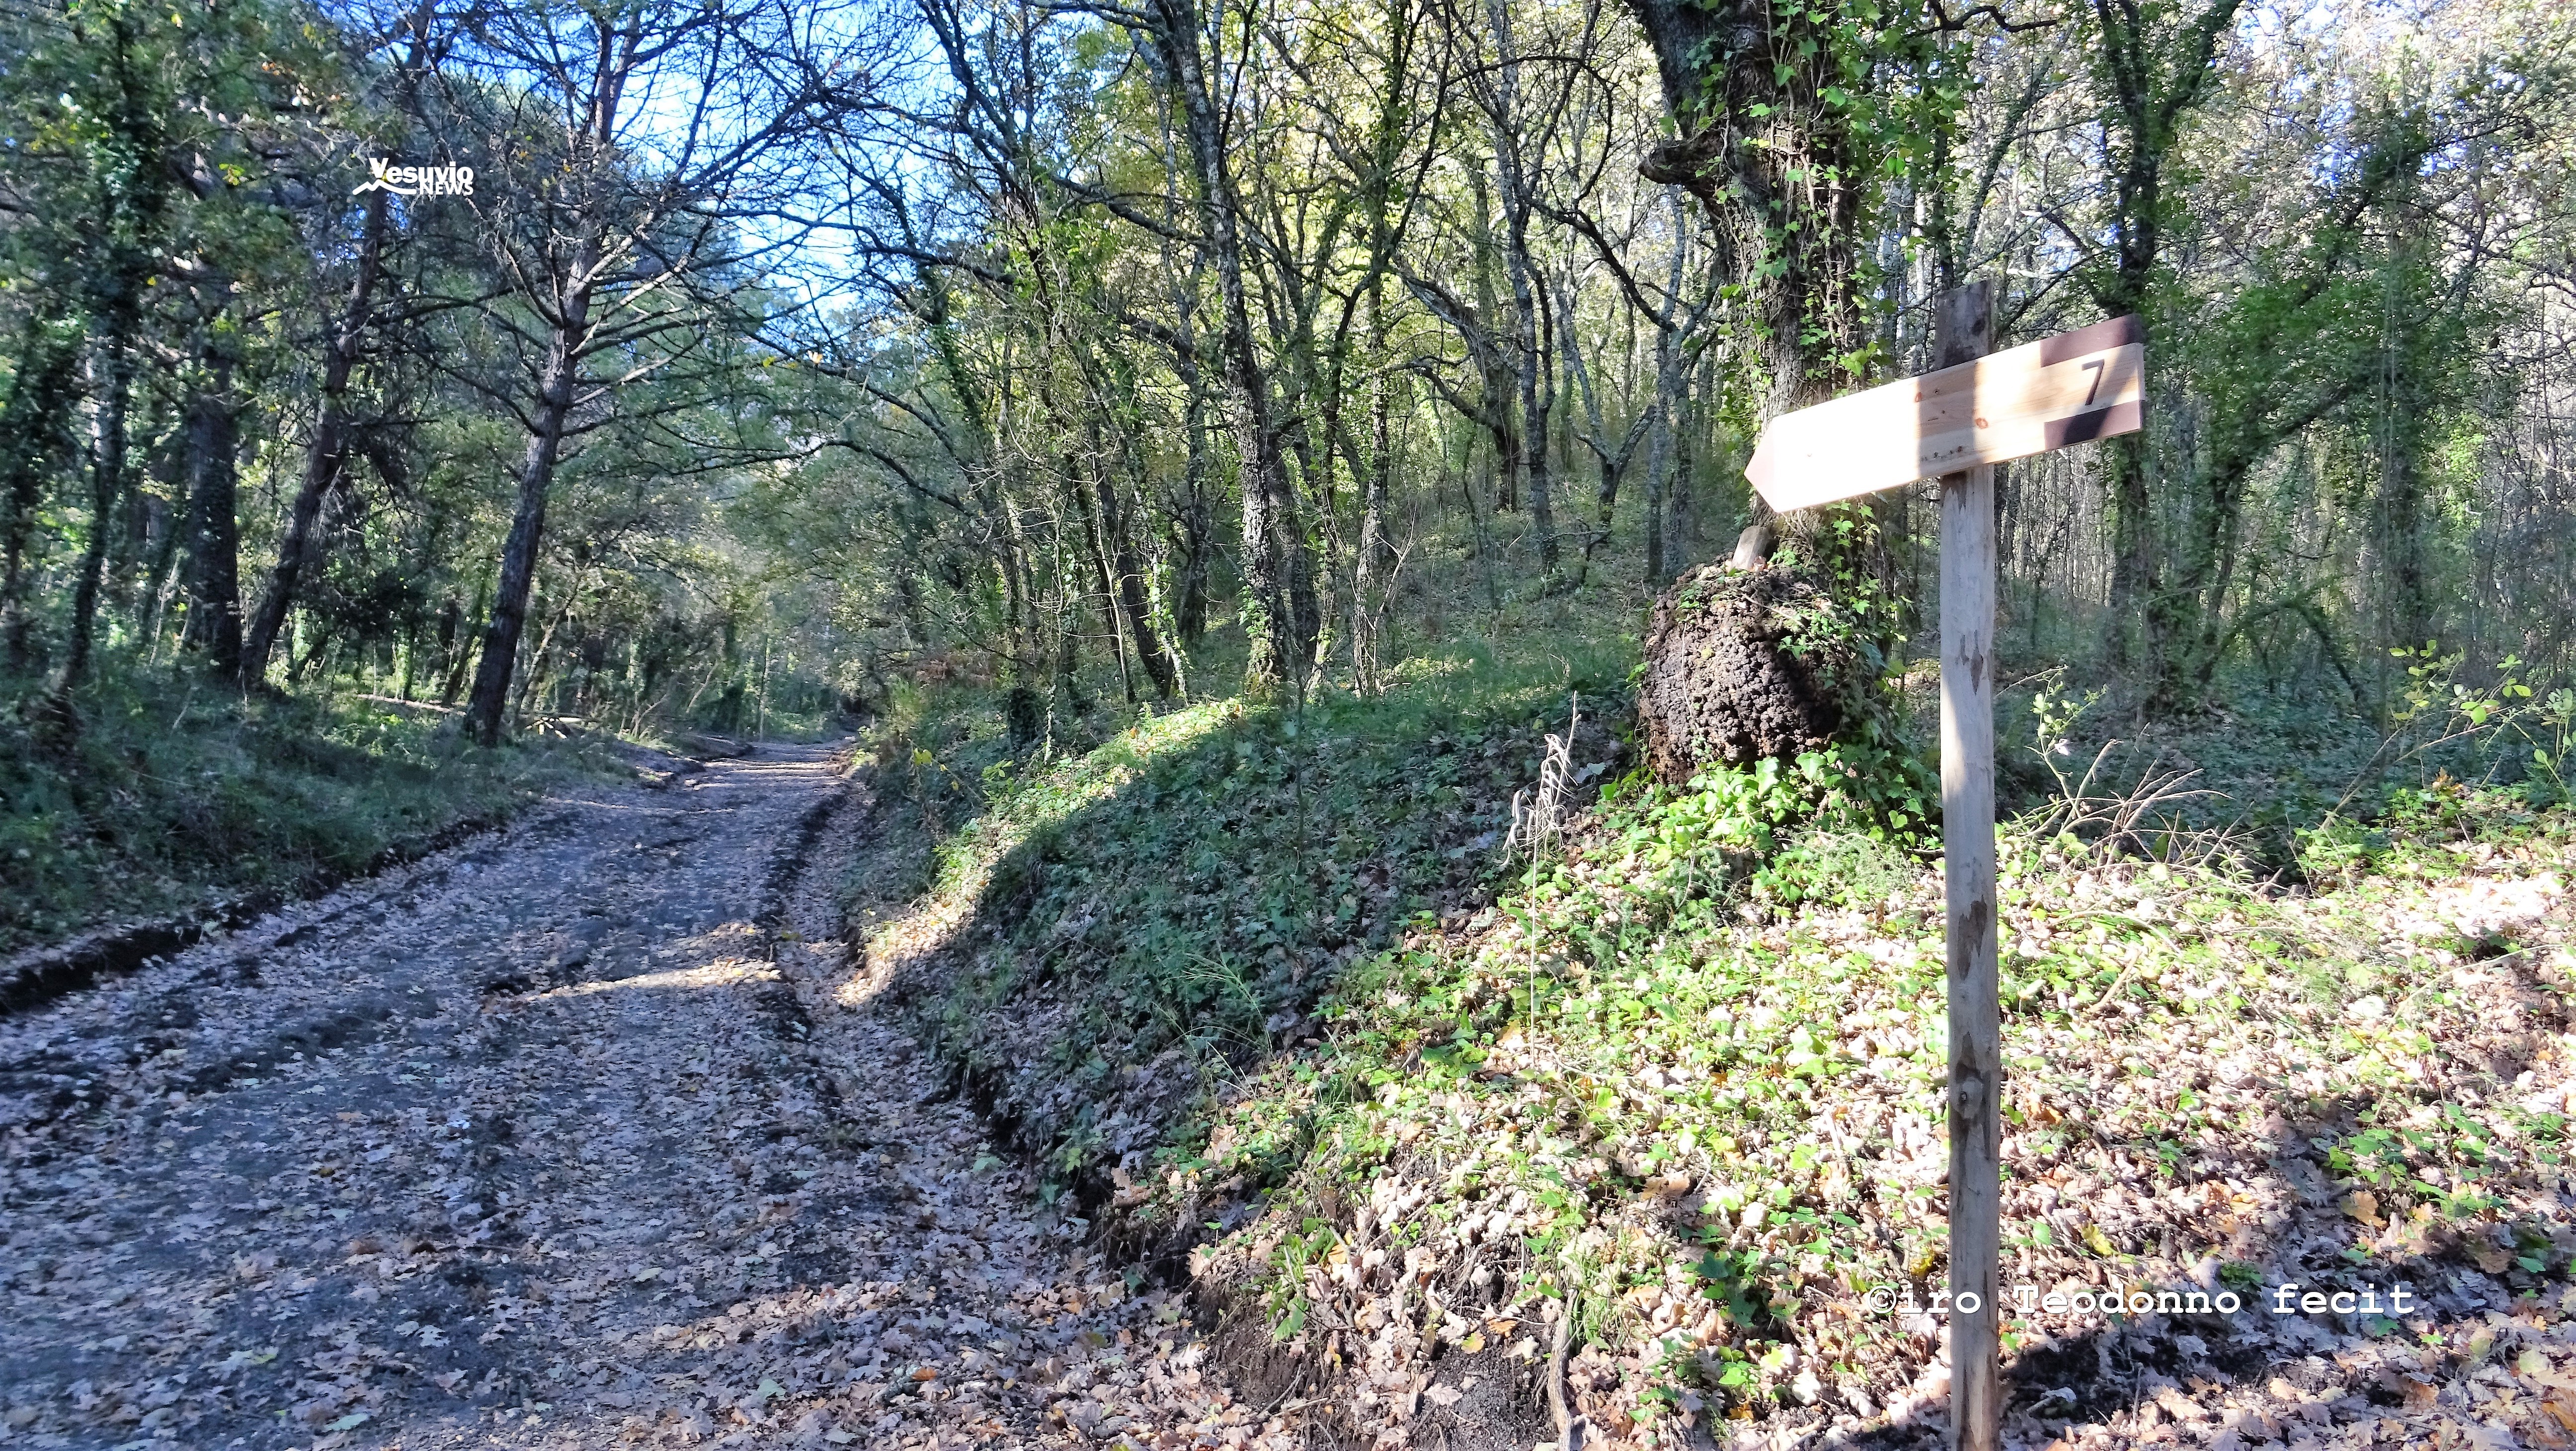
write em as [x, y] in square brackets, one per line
[2068, 389]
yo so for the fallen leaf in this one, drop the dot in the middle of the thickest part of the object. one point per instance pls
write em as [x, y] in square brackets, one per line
[2180, 1406]
[2562, 1409]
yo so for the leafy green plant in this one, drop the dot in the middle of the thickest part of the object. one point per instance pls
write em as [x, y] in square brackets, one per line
[1734, 1281]
[2501, 732]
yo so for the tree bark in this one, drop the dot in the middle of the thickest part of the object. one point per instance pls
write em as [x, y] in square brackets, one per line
[1496, 381]
[107, 481]
[490, 700]
[1373, 572]
[1537, 402]
[1095, 548]
[463, 658]
[1513, 182]
[1780, 169]
[1373, 562]
[1195, 526]
[214, 530]
[129, 251]
[1117, 521]
[325, 456]
[42, 390]
[2144, 106]
[1277, 564]
[166, 521]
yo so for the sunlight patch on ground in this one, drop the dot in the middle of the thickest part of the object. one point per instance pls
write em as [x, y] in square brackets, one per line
[721, 973]
[980, 848]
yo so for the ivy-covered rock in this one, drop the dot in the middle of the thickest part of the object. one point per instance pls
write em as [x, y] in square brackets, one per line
[1743, 664]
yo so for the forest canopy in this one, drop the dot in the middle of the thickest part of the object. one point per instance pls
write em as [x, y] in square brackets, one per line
[774, 355]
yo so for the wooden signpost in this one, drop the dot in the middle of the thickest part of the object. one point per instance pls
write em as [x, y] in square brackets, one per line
[2068, 389]
[1976, 411]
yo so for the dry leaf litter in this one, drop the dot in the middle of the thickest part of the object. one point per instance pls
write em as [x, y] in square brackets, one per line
[2217, 1127]
[568, 1137]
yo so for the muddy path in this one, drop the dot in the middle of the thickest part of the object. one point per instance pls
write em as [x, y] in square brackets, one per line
[575, 1135]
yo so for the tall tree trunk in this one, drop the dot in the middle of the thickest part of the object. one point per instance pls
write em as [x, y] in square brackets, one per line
[2404, 521]
[1194, 521]
[1117, 521]
[107, 479]
[2145, 83]
[1781, 168]
[1666, 448]
[1496, 381]
[1480, 533]
[166, 521]
[1614, 461]
[464, 658]
[1066, 621]
[33, 440]
[325, 456]
[1785, 168]
[1690, 448]
[490, 700]
[1095, 548]
[128, 253]
[1277, 566]
[214, 529]
[1530, 361]
[138, 517]
[1373, 564]
[536, 675]
[1023, 622]
[1373, 572]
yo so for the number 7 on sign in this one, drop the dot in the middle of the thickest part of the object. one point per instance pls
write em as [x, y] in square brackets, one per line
[2047, 395]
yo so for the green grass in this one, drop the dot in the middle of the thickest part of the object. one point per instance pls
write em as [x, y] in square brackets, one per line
[1718, 1129]
[1264, 985]
[2270, 769]
[180, 797]
[1116, 929]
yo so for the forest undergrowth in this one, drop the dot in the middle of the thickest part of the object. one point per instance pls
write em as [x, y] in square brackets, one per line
[1397, 1071]
[183, 798]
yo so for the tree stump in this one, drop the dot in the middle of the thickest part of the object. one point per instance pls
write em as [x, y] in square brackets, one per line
[1737, 671]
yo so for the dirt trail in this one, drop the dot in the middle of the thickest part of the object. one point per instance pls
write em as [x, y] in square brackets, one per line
[564, 1138]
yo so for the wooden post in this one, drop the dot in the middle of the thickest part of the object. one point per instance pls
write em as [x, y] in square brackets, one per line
[1964, 329]
[1977, 408]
